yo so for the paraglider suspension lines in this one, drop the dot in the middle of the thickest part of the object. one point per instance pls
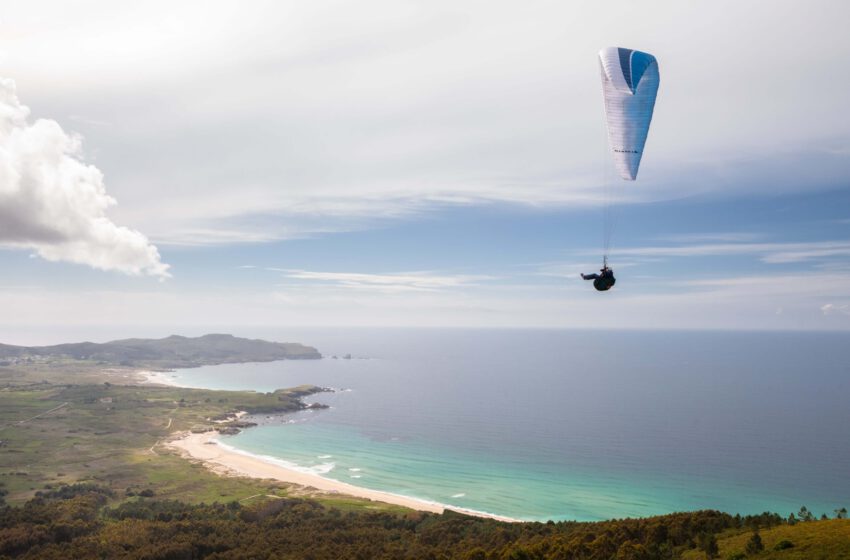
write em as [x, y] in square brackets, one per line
[609, 213]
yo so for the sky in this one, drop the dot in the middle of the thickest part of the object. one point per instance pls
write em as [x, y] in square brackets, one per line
[170, 167]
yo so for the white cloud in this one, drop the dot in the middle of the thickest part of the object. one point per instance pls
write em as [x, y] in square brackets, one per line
[391, 283]
[773, 253]
[832, 309]
[815, 285]
[326, 114]
[54, 204]
[809, 251]
[718, 236]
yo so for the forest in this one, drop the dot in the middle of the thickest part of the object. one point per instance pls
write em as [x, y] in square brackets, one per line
[74, 521]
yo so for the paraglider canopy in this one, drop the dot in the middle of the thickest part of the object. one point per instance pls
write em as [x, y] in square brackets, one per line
[629, 86]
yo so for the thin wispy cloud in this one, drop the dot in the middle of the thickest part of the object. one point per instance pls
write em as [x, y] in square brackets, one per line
[839, 151]
[807, 252]
[772, 253]
[707, 237]
[395, 282]
[211, 237]
[833, 309]
[824, 284]
[573, 269]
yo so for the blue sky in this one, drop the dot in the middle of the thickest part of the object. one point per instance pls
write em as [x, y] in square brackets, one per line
[420, 165]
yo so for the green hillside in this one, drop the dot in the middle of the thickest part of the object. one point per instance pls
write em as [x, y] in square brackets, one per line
[813, 540]
[170, 352]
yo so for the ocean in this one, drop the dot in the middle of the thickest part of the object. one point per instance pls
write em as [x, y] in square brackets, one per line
[561, 424]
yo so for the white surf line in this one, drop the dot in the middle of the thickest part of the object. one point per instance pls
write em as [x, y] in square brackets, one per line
[318, 480]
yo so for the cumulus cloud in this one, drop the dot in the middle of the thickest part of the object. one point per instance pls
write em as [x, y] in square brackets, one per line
[54, 204]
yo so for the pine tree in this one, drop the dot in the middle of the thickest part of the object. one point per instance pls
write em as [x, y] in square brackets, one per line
[754, 545]
[707, 542]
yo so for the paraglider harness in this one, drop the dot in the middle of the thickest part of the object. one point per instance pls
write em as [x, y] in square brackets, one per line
[603, 281]
[606, 280]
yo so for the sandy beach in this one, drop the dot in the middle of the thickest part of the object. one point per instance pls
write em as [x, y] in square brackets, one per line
[157, 378]
[205, 447]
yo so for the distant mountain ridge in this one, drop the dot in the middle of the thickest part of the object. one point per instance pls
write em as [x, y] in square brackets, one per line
[171, 352]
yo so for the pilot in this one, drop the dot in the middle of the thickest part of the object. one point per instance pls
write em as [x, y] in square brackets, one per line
[604, 280]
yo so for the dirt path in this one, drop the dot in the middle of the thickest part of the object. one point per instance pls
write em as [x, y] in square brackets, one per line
[19, 422]
[167, 427]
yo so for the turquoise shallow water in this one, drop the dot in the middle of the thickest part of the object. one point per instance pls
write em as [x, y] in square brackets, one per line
[567, 425]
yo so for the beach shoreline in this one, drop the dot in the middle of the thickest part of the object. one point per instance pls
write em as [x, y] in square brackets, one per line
[227, 461]
[149, 377]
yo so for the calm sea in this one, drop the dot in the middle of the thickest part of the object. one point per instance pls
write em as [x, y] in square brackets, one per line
[556, 424]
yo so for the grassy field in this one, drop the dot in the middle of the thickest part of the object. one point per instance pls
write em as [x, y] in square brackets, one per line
[71, 422]
[813, 540]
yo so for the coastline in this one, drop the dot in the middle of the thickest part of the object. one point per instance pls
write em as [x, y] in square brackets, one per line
[227, 461]
[150, 377]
